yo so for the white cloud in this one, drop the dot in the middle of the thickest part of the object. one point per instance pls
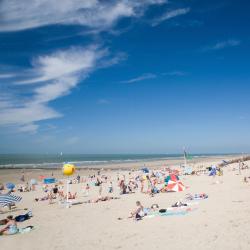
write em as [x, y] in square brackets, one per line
[26, 101]
[51, 77]
[222, 45]
[141, 78]
[169, 15]
[62, 63]
[94, 14]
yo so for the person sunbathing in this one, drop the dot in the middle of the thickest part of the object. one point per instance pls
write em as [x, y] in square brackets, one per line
[10, 228]
[103, 198]
[179, 204]
[49, 196]
[196, 196]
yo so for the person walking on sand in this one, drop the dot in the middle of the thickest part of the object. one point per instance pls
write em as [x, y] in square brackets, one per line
[100, 189]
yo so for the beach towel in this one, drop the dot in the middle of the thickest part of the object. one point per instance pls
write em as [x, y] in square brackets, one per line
[166, 213]
[170, 213]
[25, 229]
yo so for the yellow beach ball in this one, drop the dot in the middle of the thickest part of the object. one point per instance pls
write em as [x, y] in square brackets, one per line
[68, 169]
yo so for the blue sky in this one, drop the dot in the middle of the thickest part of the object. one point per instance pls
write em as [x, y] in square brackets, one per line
[122, 76]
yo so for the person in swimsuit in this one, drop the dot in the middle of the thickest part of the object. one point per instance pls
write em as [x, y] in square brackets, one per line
[138, 213]
[10, 228]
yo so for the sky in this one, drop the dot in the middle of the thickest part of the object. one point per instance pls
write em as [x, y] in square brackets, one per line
[128, 76]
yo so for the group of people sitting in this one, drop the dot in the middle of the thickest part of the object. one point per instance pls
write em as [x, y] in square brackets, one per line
[140, 211]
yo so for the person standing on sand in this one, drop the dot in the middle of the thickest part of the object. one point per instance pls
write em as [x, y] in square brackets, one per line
[142, 184]
[87, 189]
[239, 167]
[110, 188]
[78, 178]
[22, 178]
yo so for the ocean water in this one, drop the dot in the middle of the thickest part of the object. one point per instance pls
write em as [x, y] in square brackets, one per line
[80, 160]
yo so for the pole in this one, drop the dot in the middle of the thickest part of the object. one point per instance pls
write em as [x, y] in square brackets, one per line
[67, 202]
[67, 189]
[185, 160]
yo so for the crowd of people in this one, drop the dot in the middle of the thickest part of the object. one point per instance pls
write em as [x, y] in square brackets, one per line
[144, 181]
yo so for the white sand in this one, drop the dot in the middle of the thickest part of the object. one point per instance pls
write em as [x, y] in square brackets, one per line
[221, 222]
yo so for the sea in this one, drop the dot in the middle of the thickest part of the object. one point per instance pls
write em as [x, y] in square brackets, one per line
[81, 160]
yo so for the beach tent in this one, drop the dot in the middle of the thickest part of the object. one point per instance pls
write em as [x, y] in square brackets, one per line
[49, 180]
[175, 186]
[145, 170]
[7, 199]
[171, 177]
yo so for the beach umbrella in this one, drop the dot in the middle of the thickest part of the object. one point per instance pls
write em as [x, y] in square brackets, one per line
[33, 182]
[7, 199]
[175, 186]
[171, 177]
[10, 186]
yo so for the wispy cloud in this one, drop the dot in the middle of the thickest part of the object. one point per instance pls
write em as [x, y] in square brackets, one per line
[140, 78]
[175, 73]
[93, 14]
[169, 15]
[27, 99]
[51, 77]
[6, 76]
[103, 101]
[222, 45]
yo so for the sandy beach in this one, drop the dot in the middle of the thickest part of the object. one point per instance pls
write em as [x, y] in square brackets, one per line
[221, 221]
[124, 125]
